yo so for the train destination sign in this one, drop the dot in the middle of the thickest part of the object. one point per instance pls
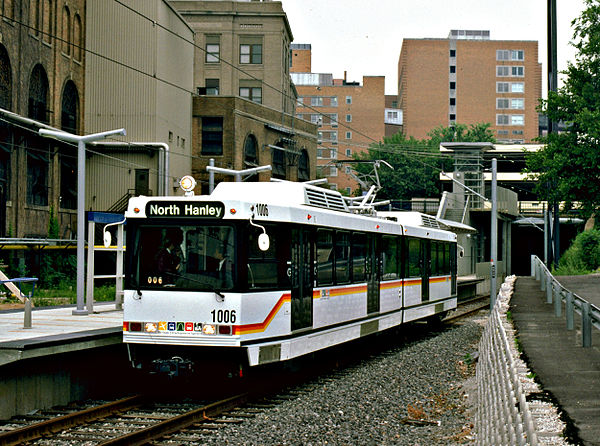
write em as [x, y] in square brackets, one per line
[213, 209]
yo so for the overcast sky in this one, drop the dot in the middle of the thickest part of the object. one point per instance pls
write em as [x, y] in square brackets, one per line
[364, 37]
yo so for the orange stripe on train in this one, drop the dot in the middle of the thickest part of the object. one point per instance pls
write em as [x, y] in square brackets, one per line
[260, 327]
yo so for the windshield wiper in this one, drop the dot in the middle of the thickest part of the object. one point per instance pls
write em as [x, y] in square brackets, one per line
[209, 285]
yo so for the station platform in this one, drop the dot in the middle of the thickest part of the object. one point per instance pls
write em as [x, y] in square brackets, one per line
[566, 370]
[56, 330]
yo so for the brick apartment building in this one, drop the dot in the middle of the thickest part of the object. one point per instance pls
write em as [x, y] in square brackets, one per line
[350, 116]
[468, 78]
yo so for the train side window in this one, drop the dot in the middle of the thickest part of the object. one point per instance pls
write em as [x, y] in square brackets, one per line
[390, 258]
[435, 264]
[262, 265]
[359, 248]
[447, 258]
[414, 257]
[324, 257]
[342, 257]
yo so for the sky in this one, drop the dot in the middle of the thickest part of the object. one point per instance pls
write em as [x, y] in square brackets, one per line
[364, 37]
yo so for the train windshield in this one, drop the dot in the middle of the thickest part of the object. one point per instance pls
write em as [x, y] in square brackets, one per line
[182, 257]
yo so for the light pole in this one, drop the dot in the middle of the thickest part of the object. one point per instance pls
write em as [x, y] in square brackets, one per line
[81, 141]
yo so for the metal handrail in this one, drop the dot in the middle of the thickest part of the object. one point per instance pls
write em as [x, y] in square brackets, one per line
[557, 294]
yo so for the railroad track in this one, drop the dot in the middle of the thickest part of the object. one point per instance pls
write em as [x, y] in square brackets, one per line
[135, 421]
[128, 421]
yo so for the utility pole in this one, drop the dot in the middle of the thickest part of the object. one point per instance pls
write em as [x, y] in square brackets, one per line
[81, 141]
[494, 233]
[553, 226]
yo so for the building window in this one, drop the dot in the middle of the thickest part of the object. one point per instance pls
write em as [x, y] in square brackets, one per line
[452, 101]
[278, 162]
[517, 103]
[452, 68]
[212, 87]
[502, 54]
[333, 171]
[348, 135]
[251, 53]
[517, 87]
[303, 166]
[348, 118]
[349, 153]
[37, 177]
[452, 117]
[517, 132]
[452, 85]
[517, 119]
[502, 70]
[47, 21]
[66, 31]
[5, 80]
[213, 49]
[212, 136]
[250, 152]
[502, 119]
[38, 95]
[77, 39]
[517, 71]
[334, 101]
[70, 108]
[502, 103]
[68, 178]
[452, 53]
[252, 93]
[502, 87]
[502, 132]
[316, 101]
[348, 99]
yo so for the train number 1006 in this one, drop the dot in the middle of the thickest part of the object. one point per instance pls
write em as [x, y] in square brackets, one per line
[223, 316]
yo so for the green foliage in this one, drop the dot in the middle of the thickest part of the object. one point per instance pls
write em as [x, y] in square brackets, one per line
[53, 226]
[57, 268]
[583, 256]
[417, 163]
[567, 168]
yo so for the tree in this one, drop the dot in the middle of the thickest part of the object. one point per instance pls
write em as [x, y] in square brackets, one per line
[568, 167]
[418, 163]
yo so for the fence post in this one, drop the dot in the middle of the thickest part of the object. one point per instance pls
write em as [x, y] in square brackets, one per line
[533, 268]
[542, 279]
[27, 313]
[586, 324]
[549, 290]
[557, 301]
[569, 310]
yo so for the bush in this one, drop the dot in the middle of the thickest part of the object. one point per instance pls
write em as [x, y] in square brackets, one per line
[583, 256]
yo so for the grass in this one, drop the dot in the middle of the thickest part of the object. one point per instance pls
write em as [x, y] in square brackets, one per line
[63, 295]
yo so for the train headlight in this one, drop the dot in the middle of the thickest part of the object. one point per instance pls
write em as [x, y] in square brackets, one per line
[150, 327]
[187, 183]
[209, 329]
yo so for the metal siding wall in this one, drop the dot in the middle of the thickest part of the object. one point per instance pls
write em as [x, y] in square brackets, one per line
[122, 90]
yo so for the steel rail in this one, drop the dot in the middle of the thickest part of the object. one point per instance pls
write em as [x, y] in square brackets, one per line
[54, 425]
[179, 422]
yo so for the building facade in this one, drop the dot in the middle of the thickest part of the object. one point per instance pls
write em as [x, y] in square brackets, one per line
[42, 71]
[238, 134]
[142, 81]
[242, 49]
[350, 117]
[468, 78]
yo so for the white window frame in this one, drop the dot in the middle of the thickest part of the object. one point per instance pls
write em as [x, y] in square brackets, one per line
[348, 136]
[502, 70]
[348, 99]
[517, 119]
[517, 71]
[517, 103]
[502, 103]
[501, 85]
[517, 87]
[348, 118]
[502, 119]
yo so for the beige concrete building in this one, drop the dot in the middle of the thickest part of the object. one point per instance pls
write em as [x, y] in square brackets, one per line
[139, 76]
[41, 85]
[242, 49]
[468, 78]
[243, 115]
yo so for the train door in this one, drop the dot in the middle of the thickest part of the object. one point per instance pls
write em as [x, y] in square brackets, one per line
[453, 269]
[372, 273]
[301, 277]
[426, 268]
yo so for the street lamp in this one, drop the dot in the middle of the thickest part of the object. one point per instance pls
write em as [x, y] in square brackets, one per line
[81, 141]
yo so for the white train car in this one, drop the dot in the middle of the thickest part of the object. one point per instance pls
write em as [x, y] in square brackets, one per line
[262, 272]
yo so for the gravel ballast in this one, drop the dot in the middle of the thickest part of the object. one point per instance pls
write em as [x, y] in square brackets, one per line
[414, 394]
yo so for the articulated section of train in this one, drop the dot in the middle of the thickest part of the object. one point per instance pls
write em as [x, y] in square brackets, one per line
[257, 273]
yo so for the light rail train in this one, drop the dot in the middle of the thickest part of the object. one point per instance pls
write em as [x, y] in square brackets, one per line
[260, 272]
